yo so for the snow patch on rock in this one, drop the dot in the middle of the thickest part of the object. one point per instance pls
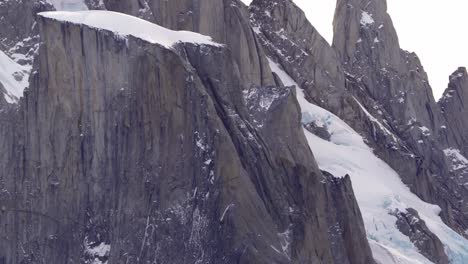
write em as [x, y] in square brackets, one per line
[376, 121]
[457, 160]
[98, 253]
[13, 77]
[366, 19]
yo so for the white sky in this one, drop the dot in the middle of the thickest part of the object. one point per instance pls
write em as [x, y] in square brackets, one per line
[436, 30]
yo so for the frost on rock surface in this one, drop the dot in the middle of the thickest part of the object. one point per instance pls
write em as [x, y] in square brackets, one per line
[457, 159]
[378, 188]
[97, 253]
[125, 25]
[13, 78]
[366, 19]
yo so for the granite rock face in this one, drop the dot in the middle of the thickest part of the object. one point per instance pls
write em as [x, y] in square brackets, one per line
[123, 151]
[18, 30]
[226, 21]
[295, 44]
[380, 90]
[367, 44]
[454, 105]
[345, 228]
[315, 66]
[128, 152]
[410, 224]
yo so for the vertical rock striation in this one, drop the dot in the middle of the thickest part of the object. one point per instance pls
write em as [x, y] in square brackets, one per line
[131, 152]
[367, 44]
[226, 21]
[377, 88]
[454, 105]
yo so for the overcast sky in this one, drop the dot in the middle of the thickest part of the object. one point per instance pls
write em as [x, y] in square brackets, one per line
[436, 30]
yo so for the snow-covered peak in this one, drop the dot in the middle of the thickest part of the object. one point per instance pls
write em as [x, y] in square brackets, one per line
[125, 25]
[13, 77]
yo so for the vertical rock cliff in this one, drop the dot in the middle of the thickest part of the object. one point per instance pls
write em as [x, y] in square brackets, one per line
[131, 151]
[454, 105]
[243, 138]
[378, 89]
[367, 44]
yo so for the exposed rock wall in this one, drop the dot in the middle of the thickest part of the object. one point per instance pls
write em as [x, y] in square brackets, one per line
[373, 85]
[226, 21]
[18, 29]
[454, 105]
[129, 152]
[410, 224]
[367, 44]
[345, 223]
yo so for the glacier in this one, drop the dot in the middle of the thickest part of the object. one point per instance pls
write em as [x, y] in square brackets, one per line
[378, 188]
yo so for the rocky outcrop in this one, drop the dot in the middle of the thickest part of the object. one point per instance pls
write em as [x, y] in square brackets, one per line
[380, 90]
[295, 44]
[367, 44]
[130, 152]
[345, 222]
[18, 30]
[410, 224]
[126, 151]
[454, 105]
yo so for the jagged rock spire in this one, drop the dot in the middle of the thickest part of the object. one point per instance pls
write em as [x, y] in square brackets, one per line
[454, 105]
[290, 39]
[367, 44]
[361, 26]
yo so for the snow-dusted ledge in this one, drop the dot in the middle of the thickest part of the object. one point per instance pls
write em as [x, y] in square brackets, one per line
[126, 25]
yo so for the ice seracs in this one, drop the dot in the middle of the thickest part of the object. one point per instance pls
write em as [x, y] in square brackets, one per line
[126, 25]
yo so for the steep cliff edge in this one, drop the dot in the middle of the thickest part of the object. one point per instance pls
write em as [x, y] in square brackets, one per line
[454, 105]
[367, 44]
[359, 83]
[226, 21]
[131, 150]
[135, 143]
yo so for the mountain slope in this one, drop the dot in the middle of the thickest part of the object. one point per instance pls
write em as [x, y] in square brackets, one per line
[256, 142]
[280, 26]
[380, 193]
[155, 147]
